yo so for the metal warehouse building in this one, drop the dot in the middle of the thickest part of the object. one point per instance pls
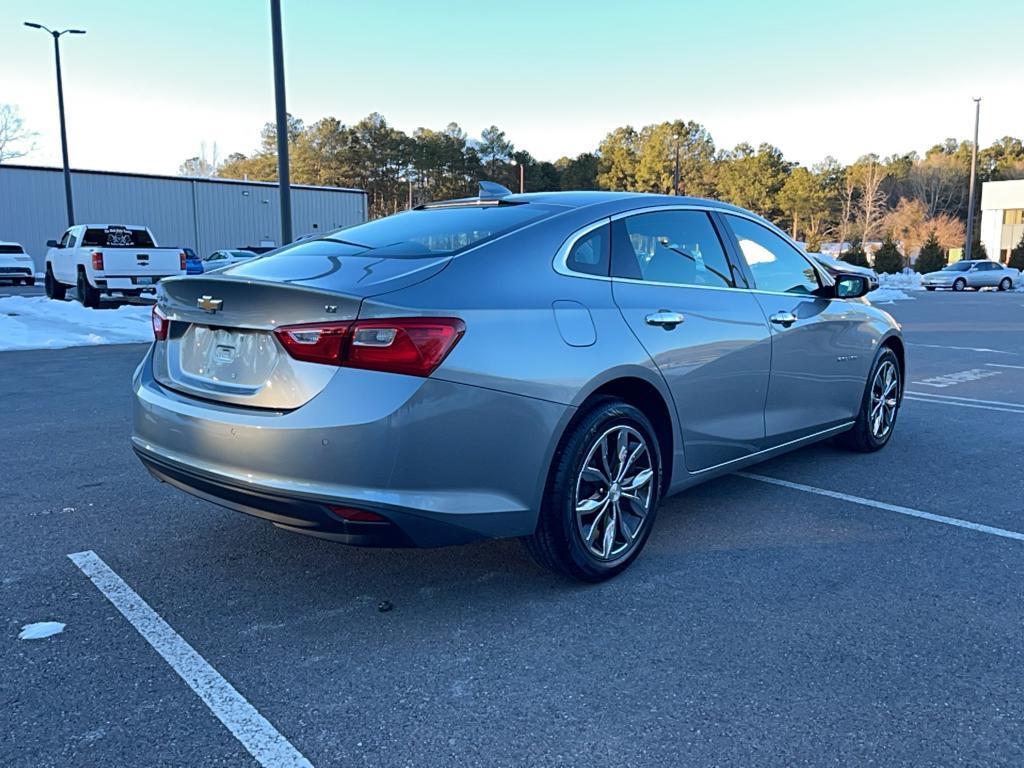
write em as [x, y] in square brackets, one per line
[203, 214]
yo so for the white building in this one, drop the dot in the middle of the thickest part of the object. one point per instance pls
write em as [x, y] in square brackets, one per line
[1002, 217]
[203, 214]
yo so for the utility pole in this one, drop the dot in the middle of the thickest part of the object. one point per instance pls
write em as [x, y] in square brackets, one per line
[60, 108]
[283, 184]
[968, 246]
[675, 176]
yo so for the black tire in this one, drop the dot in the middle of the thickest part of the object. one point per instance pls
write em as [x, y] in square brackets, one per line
[54, 290]
[861, 437]
[88, 295]
[30, 281]
[959, 284]
[929, 287]
[1005, 284]
[558, 543]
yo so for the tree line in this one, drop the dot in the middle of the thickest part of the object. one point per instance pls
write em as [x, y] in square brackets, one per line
[908, 198]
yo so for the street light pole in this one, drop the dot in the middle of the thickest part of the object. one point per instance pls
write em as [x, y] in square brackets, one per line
[60, 109]
[968, 246]
[283, 183]
[675, 177]
[522, 174]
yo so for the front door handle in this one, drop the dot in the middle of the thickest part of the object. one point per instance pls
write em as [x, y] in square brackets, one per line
[785, 319]
[665, 318]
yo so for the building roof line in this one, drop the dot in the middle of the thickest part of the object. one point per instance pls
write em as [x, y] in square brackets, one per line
[201, 179]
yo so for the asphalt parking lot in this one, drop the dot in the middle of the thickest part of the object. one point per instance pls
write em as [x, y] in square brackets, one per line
[765, 624]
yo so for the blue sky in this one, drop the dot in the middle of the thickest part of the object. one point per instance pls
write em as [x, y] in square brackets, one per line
[152, 80]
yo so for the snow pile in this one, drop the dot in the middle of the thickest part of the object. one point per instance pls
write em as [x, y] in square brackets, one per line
[902, 281]
[884, 295]
[35, 322]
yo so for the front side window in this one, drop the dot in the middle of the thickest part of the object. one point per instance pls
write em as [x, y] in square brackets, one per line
[589, 254]
[776, 265]
[674, 247]
[64, 239]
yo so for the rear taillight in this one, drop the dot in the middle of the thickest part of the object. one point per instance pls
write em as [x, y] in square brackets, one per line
[97, 259]
[160, 324]
[184, 259]
[413, 346]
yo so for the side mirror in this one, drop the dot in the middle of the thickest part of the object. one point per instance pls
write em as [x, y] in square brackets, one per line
[849, 286]
[52, 244]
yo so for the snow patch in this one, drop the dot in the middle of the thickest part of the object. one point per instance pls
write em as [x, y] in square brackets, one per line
[885, 295]
[41, 630]
[902, 281]
[35, 322]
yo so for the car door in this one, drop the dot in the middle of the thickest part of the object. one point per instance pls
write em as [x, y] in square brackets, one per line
[991, 274]
[822, 349]
[64, 259]
[690, 309]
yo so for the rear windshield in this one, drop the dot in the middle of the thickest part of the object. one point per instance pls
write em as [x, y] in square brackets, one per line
[117, 237]
[11, 249]
[435, 231]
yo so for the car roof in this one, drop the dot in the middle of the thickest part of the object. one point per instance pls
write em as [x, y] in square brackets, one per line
[9, 242]
[584, 198]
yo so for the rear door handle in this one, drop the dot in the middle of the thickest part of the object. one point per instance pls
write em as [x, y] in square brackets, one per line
[785, 319]
[665, 318]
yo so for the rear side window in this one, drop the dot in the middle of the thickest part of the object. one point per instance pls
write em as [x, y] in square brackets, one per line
[436, 231]
[117, 237]
[11, 249]
[589, 254]
[674, 247]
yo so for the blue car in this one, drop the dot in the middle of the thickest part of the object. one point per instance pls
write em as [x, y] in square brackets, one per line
[193, 264]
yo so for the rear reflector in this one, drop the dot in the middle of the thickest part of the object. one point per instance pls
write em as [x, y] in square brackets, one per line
[184, 260]
[160, 324]
[415, 346]
[358, 515]
[97, 259]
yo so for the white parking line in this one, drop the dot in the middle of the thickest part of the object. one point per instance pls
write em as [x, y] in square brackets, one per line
[962, 349]
[1000, 365]
[937, 396]
[910, 512]
[257, 735]
[1018, 409]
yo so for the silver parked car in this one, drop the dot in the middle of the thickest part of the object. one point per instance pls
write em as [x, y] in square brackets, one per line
[977, 273]
[548, 366]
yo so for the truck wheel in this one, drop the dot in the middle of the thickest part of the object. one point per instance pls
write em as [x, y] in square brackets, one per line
[88, 295]
[54, 290]
[30, 281]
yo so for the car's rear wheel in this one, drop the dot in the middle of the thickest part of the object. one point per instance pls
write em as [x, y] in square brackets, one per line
[879, 406]
[1005, 284]
[89, 296]
[929, 287]
[602, 494]
[959, 284]
[54, 290]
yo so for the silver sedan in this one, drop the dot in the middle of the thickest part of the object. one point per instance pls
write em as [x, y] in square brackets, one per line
[547, 366]
[977, 273]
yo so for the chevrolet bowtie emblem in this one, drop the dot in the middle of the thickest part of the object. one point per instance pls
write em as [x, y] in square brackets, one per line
[208, 303]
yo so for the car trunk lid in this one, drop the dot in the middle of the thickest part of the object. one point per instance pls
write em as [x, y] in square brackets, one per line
[221, 345]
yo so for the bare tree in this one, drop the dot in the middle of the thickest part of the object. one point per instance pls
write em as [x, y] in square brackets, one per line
[940, 182]
[201, 165]
[869, 175]
[15, 140]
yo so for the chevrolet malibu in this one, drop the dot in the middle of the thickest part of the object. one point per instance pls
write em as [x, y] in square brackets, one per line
[547, 366]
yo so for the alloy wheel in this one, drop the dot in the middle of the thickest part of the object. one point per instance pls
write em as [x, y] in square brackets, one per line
[885, 394]
[614, 490]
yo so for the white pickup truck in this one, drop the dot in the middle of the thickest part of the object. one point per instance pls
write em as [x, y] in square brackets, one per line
[114, 261]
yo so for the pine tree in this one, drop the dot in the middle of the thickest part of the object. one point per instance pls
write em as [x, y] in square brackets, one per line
[931, 258]
[888, 258]
[1017, 256]
[855, 255]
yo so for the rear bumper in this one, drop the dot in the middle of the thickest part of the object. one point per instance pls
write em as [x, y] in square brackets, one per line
[444, 463]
